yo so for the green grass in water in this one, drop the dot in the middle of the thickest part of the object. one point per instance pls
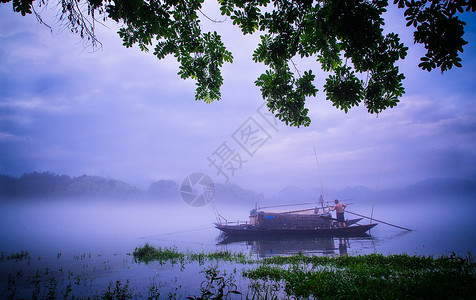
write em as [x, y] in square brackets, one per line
[372, 276]
[148, 253]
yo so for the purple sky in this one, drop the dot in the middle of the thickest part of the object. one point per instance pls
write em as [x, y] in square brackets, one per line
[122, 113]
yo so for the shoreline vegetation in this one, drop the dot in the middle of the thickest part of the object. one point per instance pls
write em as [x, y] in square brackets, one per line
[237, 275]
[372, 276]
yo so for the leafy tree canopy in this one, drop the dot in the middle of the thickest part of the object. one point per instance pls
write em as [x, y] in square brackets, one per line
[345, 36]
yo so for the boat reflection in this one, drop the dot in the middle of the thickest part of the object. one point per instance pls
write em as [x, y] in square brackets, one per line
[272, 246]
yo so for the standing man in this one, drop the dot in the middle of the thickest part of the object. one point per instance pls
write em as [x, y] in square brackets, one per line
[339, 208]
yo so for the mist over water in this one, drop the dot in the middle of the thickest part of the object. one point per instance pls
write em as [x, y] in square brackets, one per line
[95, 239]
[93, 226]
[72, 226]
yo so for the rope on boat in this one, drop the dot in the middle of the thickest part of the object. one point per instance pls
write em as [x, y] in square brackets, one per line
[208, 226]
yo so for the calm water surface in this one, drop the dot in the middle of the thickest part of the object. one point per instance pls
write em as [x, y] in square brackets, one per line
[88, 244]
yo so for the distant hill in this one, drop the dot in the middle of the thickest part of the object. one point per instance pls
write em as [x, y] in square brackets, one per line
[442, 189]
[50, 185]
[230, 193]
[439, 189]
[163, 189]
[293, 194]
[290, 195]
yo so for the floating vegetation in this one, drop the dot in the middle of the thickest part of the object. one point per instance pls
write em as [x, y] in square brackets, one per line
[148, 253]
[15, 256]
[226, 256]
[372, 276]
[235, 275]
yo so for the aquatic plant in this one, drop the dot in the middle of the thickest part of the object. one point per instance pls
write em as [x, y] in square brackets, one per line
[153, 292]
[118, 291]
[148, 253]
[19, 256]
[226, 256]
[217, 285]
[51, 286]
[266, 290]
[68, 290]
[373, 276]
[11, 290]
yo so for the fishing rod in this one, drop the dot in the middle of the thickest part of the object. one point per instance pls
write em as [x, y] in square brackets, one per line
[202, 227]
[378, 220]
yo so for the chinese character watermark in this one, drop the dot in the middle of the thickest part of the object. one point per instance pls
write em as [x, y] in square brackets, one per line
[250, 136]
[226, 161]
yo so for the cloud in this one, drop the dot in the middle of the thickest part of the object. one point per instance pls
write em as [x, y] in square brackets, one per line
[122, 113]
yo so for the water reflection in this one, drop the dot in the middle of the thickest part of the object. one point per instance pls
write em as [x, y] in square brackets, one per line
[325, 246]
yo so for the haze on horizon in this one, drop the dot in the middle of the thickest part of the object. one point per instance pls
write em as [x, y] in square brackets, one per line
[122, 113]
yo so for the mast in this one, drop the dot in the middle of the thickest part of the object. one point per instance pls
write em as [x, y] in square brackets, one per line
[321, 198]
[375, 196]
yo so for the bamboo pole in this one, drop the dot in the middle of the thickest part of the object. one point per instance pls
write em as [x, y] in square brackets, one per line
[375, 196]
[284, 205]
[300, 210]
[378, 220]
[320, 177]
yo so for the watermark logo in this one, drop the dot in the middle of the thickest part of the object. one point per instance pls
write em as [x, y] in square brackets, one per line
[250, 136]
[197, 189]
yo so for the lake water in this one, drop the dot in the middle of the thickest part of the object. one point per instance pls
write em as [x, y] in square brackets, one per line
[88, 244]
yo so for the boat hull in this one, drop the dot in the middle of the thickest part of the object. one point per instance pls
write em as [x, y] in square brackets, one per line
[254, 231]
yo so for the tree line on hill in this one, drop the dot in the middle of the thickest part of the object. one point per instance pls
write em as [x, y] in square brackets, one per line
[42, 185]
[50, 185]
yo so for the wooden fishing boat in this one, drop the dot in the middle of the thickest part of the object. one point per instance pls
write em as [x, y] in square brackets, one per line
[254, 231]
[298, 223]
